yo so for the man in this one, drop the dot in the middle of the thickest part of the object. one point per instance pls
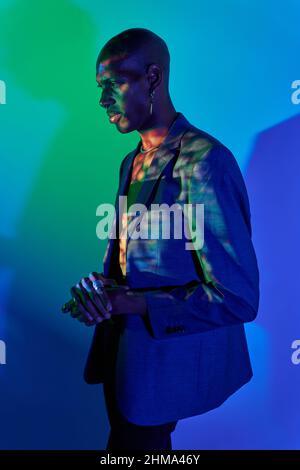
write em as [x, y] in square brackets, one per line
[170, 342]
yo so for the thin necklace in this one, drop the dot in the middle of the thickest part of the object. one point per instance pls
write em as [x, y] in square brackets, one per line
[148, 150]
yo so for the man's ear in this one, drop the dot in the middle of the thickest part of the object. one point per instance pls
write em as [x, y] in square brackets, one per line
[154, 74]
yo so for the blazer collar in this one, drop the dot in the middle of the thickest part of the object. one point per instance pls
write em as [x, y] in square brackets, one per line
[166, 151]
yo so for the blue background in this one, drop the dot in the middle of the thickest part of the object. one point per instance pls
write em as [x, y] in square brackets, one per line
[232, 66]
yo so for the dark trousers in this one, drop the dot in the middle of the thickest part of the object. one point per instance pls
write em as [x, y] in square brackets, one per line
[125, 435]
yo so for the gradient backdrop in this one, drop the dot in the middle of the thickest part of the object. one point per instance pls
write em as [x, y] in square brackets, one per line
[232, 66]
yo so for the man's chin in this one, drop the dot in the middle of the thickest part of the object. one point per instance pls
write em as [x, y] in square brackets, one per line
[124, 128]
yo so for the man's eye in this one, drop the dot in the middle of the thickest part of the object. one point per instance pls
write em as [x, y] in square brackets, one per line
[107, 84]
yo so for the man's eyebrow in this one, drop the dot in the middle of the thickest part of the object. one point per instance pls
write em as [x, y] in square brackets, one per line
[111, 79]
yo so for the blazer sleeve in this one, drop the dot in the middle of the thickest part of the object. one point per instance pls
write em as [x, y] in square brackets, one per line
[228, 289]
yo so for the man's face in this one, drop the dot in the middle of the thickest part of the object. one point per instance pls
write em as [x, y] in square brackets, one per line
[125, 91]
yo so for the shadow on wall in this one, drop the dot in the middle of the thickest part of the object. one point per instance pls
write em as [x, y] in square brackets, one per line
[272, 179]
[45, 403]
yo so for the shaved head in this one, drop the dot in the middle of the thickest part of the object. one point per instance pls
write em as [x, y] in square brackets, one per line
[132, 70]
[141, 45]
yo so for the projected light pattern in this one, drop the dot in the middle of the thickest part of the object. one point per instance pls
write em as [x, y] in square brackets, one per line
[232, 66]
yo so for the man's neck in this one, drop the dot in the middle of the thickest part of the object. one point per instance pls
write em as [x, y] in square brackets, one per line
[156, 132]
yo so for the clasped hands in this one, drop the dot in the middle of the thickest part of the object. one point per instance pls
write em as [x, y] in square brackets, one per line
[92, 308]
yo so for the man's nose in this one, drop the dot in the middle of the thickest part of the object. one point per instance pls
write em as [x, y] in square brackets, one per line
[106, 100]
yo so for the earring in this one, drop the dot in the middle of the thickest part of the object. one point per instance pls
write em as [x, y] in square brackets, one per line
[151, 101]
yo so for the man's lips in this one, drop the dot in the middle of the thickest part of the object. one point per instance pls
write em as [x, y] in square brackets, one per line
[114, 118]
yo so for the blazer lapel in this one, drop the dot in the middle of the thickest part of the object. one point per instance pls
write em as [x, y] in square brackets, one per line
[165, 153]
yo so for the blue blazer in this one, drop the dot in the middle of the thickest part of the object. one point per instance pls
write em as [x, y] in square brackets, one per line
[189, 353]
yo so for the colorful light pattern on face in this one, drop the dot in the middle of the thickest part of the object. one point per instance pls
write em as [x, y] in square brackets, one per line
[124, 91]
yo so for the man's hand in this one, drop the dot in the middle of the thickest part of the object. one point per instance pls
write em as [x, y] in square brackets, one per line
[90, 307]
